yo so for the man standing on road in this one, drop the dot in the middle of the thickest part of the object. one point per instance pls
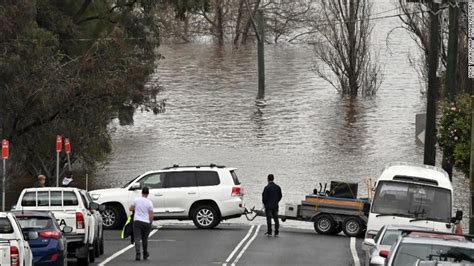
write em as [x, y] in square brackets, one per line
[270, 197]
[143, 208]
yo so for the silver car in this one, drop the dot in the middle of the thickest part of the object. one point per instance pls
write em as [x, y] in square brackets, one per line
[383, 241]
[425, 248]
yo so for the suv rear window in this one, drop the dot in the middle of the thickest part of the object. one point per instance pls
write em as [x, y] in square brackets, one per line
[180, 179]
[207, 178]
[235, 178]
[5, 226]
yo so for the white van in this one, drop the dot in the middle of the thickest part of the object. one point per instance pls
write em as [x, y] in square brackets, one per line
[412, 194]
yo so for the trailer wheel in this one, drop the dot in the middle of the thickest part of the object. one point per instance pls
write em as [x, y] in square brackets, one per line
[352, 227]
[324, 224]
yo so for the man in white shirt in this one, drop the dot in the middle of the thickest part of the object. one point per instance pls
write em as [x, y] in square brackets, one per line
[143, 208]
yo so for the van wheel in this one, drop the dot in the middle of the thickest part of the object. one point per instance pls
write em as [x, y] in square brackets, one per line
[205, 217]
[324, 224]
[111, 217]
[92, 253]
[352, 227]
[84, 261]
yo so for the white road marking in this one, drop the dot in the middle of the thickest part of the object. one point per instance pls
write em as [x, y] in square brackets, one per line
[246, 246]
[238, 246]
[354, 252]
[123, 250]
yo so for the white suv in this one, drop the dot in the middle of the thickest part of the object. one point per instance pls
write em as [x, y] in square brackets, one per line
[205, 194]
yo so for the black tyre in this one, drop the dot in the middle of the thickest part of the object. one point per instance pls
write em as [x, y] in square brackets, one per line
[111, 217]
[352, 227]
[324, 224]
[205, 217]
[96, 248]
[84, 261]
[101, 244]
[92, 253]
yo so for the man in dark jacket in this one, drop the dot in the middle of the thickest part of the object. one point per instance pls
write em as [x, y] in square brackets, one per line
[270, 197]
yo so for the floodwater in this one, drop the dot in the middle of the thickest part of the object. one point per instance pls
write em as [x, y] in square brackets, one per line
[304, 132]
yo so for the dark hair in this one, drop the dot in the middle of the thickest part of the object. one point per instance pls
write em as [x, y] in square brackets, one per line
[145, 191]
[271, 177]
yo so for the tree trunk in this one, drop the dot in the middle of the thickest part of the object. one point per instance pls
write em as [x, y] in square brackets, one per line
[353, 84]
[245, 33]
[219, 22]
[238, 22]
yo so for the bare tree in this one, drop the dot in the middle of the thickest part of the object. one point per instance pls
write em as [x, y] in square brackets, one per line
[345, 49]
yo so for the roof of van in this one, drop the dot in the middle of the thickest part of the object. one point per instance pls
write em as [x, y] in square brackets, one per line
[416, 170]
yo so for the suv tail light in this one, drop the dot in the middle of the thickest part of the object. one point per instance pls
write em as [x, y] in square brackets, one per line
[14, 256]
[50, 234]
[237, 191]
[79, 220]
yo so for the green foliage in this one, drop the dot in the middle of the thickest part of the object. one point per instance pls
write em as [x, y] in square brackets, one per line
[455, 131]
[69, 67]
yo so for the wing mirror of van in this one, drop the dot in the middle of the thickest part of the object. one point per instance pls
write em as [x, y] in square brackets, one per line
[32, 235]
[93, 206]
[135, 186]
[458, 217]
[368, 244]
[67, 229]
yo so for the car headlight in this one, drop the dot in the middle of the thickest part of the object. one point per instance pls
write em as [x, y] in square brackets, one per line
[95, 196]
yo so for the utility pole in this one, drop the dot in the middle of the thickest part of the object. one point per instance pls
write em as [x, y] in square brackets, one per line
[261, 59]
[430, 135]
[471, 169]
[450, 85]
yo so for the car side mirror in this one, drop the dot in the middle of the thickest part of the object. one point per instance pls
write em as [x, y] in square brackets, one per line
[368, 243]
[458, 217]
[32, 235]
[93, 206]
[67, 229]
[135, 186]
[101, 208]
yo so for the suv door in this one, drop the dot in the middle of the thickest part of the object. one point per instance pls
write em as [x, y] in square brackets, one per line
[155, 182]
[181, 192]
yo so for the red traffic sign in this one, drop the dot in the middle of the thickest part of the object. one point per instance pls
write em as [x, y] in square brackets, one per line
[67, 145]
[59, 143]
[5, 149]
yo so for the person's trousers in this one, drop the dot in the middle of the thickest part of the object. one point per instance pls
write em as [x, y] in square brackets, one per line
[141, 230]
[272, 213]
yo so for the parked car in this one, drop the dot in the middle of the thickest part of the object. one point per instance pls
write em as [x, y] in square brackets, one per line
[383, 241]
[99, 232]
[14, 247]
[50, 246]
[419, 247]
[70, 208]
[205, 194]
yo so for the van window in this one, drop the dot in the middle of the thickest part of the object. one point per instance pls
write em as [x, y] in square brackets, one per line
[43, 198]
[29, 199]
[5, 226]
[70, 198]
[234, 177]
[180, 179]
[56, 198]
[207, 178]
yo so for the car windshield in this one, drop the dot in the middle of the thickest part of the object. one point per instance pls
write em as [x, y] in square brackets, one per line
[35, 223]
[412, 200]
[390, 237]
[129, 182]
[411, 253]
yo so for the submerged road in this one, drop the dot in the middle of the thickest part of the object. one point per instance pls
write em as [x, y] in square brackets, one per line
[233, 244]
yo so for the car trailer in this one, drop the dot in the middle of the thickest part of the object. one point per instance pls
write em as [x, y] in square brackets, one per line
[331, 211]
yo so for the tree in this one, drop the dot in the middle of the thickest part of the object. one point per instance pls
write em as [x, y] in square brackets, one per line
[69, 67]
[345, 49]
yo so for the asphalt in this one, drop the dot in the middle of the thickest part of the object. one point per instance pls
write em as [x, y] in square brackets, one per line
[231, 244]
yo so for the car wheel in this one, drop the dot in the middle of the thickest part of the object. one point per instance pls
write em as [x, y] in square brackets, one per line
[84, 261]
[324, 224]
[101, 244]
[205, 217]
[352, 227]
[97, 248]
[111, 217]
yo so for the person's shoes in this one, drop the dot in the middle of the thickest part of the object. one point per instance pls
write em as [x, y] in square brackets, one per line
[137, 257]
[268, 234]
[277, 233]
[146, 255]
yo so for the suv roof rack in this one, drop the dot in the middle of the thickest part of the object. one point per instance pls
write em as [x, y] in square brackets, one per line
[196, 166]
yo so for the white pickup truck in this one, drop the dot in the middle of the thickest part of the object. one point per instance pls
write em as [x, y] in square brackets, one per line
[14, 248]
[71, 208]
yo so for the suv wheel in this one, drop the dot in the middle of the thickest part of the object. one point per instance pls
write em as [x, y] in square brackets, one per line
[111, 217]
[205, 217]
